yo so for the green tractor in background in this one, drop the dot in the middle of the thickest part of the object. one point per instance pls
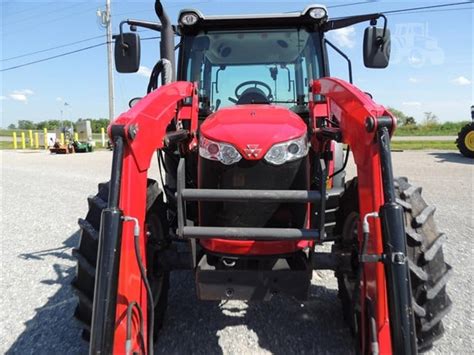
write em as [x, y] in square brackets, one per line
[82, 147]
[465, 141]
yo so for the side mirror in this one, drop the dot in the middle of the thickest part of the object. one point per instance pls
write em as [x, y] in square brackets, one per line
[127, 52]
[377, 47]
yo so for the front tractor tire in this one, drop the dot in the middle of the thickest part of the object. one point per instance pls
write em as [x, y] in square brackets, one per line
[429, 272]
[465, 141]
[86, 255]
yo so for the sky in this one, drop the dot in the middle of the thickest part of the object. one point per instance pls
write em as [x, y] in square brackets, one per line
[429, 72]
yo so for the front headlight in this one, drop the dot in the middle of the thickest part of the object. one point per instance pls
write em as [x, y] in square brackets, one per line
[223, 152]
[288, 151]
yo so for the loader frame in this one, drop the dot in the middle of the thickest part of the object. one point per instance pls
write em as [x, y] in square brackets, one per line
[366, 127]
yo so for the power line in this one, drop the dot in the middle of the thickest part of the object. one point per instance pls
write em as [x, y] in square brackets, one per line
[421, 9]
[168, 7]
[67, 53]
[427, 7]
[41, 16]
[352, 4]
[52, 48]
[28, 28]
[29, 8]
[64, 45]
[148, 38]
[431, 11]
[54, 57]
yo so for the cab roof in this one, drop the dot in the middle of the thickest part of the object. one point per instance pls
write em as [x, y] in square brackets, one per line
[302, 18]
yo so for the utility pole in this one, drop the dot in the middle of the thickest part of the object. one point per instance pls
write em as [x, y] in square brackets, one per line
[106, 21]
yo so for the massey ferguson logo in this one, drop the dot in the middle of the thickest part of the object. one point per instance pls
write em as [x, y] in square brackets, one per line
[252, 150]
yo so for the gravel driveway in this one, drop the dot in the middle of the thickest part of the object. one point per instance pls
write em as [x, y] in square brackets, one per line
[43, 195]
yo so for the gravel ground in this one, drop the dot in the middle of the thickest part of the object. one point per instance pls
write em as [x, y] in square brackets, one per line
[425, 138]
[43, 195]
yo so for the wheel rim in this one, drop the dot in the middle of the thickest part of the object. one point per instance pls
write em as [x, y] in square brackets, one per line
[469, 141]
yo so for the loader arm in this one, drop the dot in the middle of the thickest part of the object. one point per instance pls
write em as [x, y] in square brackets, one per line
[366, 127]
[136, 134]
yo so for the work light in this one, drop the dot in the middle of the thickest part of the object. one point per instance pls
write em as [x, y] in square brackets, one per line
[189, 18]
[318, 13]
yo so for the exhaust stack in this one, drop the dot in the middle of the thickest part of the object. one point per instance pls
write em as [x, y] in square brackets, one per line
[166, 44]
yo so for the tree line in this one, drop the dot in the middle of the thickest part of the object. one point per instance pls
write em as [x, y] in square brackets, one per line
[429, 118]
[96, 124]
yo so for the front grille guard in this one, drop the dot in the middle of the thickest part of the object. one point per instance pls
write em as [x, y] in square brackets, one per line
[184, 194]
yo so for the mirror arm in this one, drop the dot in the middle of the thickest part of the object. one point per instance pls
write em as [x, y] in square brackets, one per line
[122, 42]
[342, 54]
[145, 24]
[352, 20]
[373, 22]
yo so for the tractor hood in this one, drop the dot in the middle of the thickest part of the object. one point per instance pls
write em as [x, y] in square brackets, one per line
[253, 127]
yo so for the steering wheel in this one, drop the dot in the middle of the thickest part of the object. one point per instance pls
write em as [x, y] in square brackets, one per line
[255, 84]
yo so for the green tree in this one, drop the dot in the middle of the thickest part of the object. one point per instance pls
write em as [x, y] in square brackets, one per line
[430, 119]
[399, 115]
[410, 121]
[49, 125]
[97, 124]
[11, 126]
[42, 124]
[66, 123]
[25, 124]
[53, 124]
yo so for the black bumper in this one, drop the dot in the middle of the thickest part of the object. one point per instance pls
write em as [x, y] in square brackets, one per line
[253, 284]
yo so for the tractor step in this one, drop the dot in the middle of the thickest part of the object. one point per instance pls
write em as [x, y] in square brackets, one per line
[258, 234]
[322, 202]
[281, 196]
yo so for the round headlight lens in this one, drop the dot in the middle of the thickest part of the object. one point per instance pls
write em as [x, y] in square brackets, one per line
[318, 13]
[213, 149]
[276, 155]
[293, 148]
[189, 19]
[229, 154]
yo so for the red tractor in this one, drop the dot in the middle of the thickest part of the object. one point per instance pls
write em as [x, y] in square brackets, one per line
[248, 133]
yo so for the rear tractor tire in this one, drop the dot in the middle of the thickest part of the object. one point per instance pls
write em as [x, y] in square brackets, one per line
[465, 141]
[86, 255]
[428, 271]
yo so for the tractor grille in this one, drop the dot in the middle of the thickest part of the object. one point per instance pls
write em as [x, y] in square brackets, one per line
[253, 175]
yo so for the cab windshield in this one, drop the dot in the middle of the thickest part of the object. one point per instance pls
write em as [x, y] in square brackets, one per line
[250, 67]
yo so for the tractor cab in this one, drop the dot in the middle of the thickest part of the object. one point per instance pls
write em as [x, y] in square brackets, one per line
[245, 60]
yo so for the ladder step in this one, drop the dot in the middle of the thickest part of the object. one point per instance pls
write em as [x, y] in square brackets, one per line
[279, 196]
[257, 234]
